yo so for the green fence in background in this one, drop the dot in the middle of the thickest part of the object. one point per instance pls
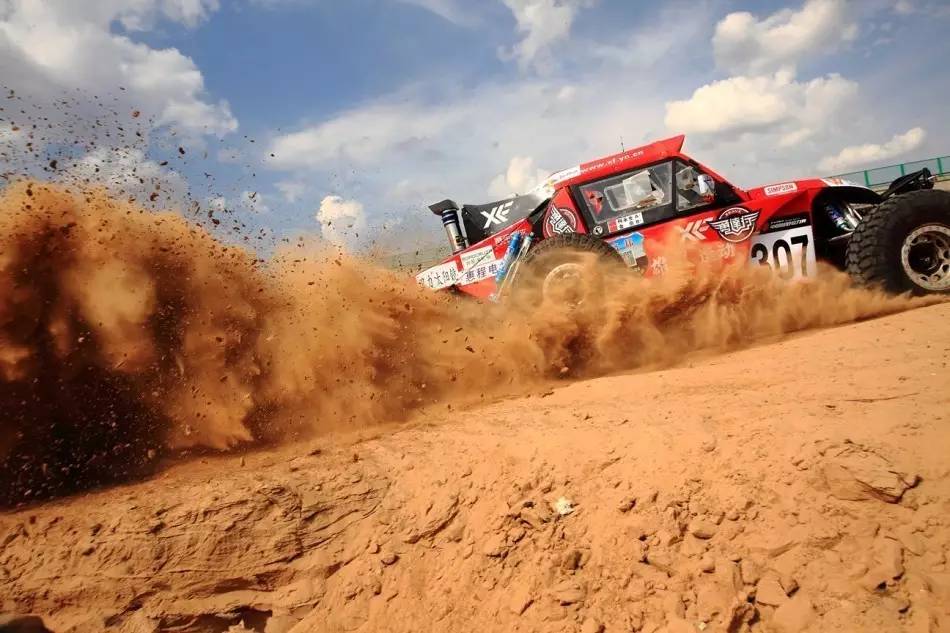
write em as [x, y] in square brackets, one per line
[883, 176]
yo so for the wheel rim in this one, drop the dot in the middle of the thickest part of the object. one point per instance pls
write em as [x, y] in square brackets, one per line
[563, 283]
[925, 257]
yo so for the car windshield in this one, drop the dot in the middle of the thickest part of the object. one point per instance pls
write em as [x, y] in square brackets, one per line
[634, 191]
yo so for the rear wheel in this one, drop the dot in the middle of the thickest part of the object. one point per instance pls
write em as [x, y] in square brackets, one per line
[903, 244]
[567, 269]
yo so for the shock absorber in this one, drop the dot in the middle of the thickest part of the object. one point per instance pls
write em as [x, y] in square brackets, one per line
[449, 211]
[838, 218]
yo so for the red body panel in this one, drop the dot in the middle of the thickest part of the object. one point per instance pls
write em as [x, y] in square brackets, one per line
[771, 225]
[562, 216]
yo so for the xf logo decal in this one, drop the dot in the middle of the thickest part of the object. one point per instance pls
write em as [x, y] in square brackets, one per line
[498, 215]
[693, 231]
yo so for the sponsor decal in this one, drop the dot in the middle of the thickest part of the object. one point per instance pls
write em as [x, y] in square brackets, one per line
[718, 251]
[498, 214]
[727, 250]
[613, 160]
[559, 222]
[841, 182]
[658, 266]
[504, 239]
[631, 249]
[438, 277]
[547, 187]
[790, 254]
[777, 190]
[786, 222]
[625, 222]
[479, 256]
[598, 230]
[482, 271]
[694, 231]
[735, 224]
[564, 174]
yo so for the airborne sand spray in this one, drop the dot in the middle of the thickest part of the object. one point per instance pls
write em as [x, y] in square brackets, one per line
[124, 333]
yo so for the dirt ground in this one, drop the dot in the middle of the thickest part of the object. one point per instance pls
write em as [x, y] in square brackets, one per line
[802, 484]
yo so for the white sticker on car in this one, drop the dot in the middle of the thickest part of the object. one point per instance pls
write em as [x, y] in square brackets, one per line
[477, 257]
[565, 174]
[479, 272]
[439, 277]
[777, 190]
[790, 254]
[546, 189]
[625, 222]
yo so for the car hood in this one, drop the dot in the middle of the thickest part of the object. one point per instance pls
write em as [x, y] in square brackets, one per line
[793, 187]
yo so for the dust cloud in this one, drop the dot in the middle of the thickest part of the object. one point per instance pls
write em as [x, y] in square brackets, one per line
[127, 334]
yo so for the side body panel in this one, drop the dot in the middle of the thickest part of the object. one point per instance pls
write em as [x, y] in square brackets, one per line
[473, 270]
[562, 216]
[775, 231]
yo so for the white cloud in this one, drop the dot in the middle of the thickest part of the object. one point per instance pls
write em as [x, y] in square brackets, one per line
[254, 202]
[453, 148]
[341, 221]
[361, 136]
[459, 12]
[451, 10]
[128, 174]
[729, 105]
[644, 48]
[247, 201]
[745, 44]
[438, 139]
[13, 143]
[218, 204]
[744, 104]
[133, 15]
[141, 15]
[543, 24]
[521, 176]
[567, 93]
[866, 155]
[795, 137]
[49, 49]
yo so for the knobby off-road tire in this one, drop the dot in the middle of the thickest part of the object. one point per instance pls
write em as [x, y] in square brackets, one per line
[571, 252]
[903, 244]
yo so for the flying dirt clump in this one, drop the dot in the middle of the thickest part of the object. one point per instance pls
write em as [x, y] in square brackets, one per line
[126, 333]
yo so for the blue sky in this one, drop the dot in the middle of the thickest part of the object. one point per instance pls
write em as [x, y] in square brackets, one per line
[374, 108]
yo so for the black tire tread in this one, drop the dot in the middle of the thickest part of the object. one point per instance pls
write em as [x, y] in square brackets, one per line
[870, 255]
[574, 242]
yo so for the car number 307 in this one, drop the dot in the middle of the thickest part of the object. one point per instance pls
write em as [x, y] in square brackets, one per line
[790, 254]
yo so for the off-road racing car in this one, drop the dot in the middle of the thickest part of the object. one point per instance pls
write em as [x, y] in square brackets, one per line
[636, 205]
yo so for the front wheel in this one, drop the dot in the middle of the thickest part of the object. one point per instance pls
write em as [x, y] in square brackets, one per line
[567, 269]
[903, 244]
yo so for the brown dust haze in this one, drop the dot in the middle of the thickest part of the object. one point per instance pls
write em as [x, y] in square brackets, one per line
[127, 334]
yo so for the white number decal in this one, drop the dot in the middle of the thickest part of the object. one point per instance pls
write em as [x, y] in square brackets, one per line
[790, 254]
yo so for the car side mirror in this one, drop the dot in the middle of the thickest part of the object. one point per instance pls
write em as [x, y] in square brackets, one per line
[707, 187]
